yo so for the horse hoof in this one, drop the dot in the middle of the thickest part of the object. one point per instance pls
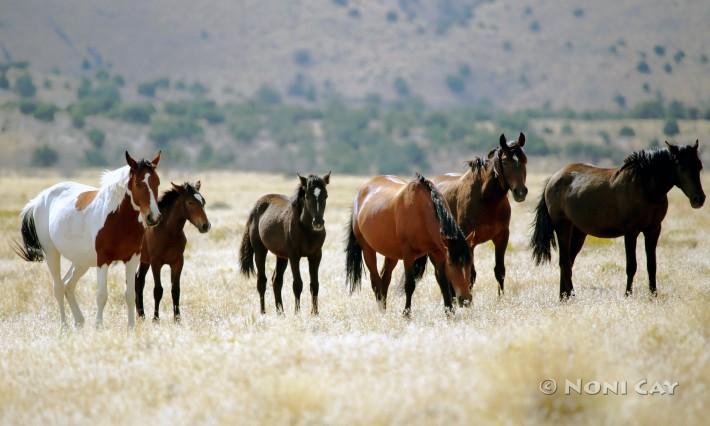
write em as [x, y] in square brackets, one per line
[177, 319]
[407, 313]
[156, 320]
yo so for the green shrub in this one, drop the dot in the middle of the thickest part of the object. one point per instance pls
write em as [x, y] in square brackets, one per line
[627, 131]
[97, 137]
[302, 57]
[77, 119]
[138, 113]
[94, 157]
[45, 112]
[166, 129]
[643, 67]
[44, 156]
[401, 87]
[456, 84]
[567, 129]
[27, 106]
[4, 82]
[659, 50]
[268, 95]
[24, 85]
[149, 88]
[649, 109]
[196, 109]
[670, 128]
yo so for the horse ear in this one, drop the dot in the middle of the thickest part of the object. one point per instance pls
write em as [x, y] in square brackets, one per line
[326, 178]
[156, 159]
[503, 142]
[130, 161]
[198, 185]
[303, 180]
[176, 187]
[672, 148]
[697, 142]
[491, 153]
[521, 140]
[470, 163]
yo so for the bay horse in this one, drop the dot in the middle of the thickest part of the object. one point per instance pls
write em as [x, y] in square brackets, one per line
[291, 228]
[92, 228]
[406, 221]
[478, 199]
[581, 200]
[164, 244]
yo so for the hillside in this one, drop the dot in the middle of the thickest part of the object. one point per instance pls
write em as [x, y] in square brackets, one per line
[517, 54]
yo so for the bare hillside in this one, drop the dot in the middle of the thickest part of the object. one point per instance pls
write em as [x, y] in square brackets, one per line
[518, 54]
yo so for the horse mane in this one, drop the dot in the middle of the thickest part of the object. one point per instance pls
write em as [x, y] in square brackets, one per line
[459, 253]
[170, 196]
[646, 162]
[114, 184]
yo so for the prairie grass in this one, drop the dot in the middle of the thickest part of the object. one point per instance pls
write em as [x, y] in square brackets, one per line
[353, 364]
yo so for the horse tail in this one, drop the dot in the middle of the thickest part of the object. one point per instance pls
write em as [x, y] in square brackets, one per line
[30, 249]
[459, 252]
[543, 232]
[246, 250]
[353, 259]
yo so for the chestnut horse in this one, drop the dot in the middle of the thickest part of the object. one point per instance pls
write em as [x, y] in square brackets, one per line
[291, 228]
[582, 200]
[92, 228]
[164, 244]
[478, 199]
[406, 221]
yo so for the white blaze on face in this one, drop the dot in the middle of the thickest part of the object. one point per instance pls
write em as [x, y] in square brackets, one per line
[316, 193]
[199, 198]
[153, 201]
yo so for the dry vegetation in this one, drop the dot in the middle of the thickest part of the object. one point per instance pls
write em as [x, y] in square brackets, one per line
[354, 365]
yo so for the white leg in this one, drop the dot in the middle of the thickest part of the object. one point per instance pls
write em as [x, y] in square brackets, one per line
[131, 268]
[101, 294]
[70, 280]
[54, 264]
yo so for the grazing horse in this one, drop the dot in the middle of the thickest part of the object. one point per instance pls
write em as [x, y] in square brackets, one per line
[92, 228]
[164, 244]
[406, 221]
[582, 200]
[290, 228]
[479, 199]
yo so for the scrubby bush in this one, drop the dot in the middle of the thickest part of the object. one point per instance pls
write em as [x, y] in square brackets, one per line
[659, 50]
[196, 109]
[627, 131]
[97, 137]
[45, 112]
[4, 82]
[643, 67]
[670, 127]
[166, 129]
[456, 84]
[149, 88]
[302, 57]
[27, 106]
[401, 87]
[138, 113]
[649, 109]
[268, 95]
[44, 156]
[24, 86]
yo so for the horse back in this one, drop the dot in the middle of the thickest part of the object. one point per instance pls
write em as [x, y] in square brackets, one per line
[269, 222]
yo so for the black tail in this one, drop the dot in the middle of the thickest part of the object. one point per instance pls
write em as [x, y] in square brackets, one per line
[353, 259]
[543, 232]
[246, 250]
[459, 252]
[30, 249]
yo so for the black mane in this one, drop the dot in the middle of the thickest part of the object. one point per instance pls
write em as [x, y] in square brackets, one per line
[170, 196]
[647, 162]
[312, 180]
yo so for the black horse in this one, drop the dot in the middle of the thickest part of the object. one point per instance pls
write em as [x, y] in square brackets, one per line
[582, 200]
[290, 228]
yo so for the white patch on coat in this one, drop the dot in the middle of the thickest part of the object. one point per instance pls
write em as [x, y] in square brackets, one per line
[199, 198]
[154, 210]
[452, 174]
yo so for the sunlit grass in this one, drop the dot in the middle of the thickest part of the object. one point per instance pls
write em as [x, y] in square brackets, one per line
[353, 364]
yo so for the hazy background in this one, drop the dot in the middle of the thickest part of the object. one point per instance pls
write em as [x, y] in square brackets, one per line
[353, 86]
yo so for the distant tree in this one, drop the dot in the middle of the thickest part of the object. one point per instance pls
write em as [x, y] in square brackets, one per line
[24, 85]
[649, 109]
[620, 100]
[456, 84]
[578, 12]
[401, 87]
[670, 128]
[47, 83]
[507, 46]
[44, 156]
[4, 82]
[567, 129]
[643, 67]
[679, 56]
[268, 95]
[97, 137]
[342, 3]
[302, 57]
[77, 119]
[659, 50]
[392, 16]
[535, 27]
[27, 106]
[45, 112]
[627, 131]
[677, 109]
[703, 59]
[85, 64]
[668, 68]
[646, 87]
[102, 75]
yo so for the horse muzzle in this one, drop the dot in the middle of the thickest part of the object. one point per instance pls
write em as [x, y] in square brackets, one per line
[697, 201]
[318, 225]
[150, 220]
[205, 228]
[519, 194]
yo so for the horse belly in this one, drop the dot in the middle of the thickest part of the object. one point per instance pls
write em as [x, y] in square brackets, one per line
[379, 232]
[71, 231]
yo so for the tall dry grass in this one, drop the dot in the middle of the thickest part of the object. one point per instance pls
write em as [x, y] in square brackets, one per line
[352, 364]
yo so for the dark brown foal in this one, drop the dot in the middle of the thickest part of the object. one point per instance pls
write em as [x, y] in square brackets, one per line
[164, 244]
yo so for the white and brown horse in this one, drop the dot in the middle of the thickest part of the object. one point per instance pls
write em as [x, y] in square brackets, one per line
[92, 228]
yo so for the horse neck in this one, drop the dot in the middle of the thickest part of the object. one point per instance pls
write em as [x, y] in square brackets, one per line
[175, 219]
[492, 187]
[656, 183]
[297, 209]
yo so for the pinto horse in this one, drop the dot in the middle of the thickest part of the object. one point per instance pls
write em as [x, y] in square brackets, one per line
[479, 199]
[291, 228]
[164, 244]
[92, 228]
[406, 221]
[582, 200]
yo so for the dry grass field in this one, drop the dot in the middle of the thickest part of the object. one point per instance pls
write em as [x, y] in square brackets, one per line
[225, 363]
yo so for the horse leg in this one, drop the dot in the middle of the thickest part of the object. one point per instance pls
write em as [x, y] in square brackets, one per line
[447, 289]
[175, 273]
[576, 243]
[313, 265]
[501, 244]
[650, 241]
[70, 281]
[630, 245]
[409, 285]
[131, 267]
[386, 274]
[260, 262]
[472, 276]
[297, 281]
[101, 294]
[157, 290]
[370, 258]
[140, 285]
[277, 281]
[564, 237]
[53, 259]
